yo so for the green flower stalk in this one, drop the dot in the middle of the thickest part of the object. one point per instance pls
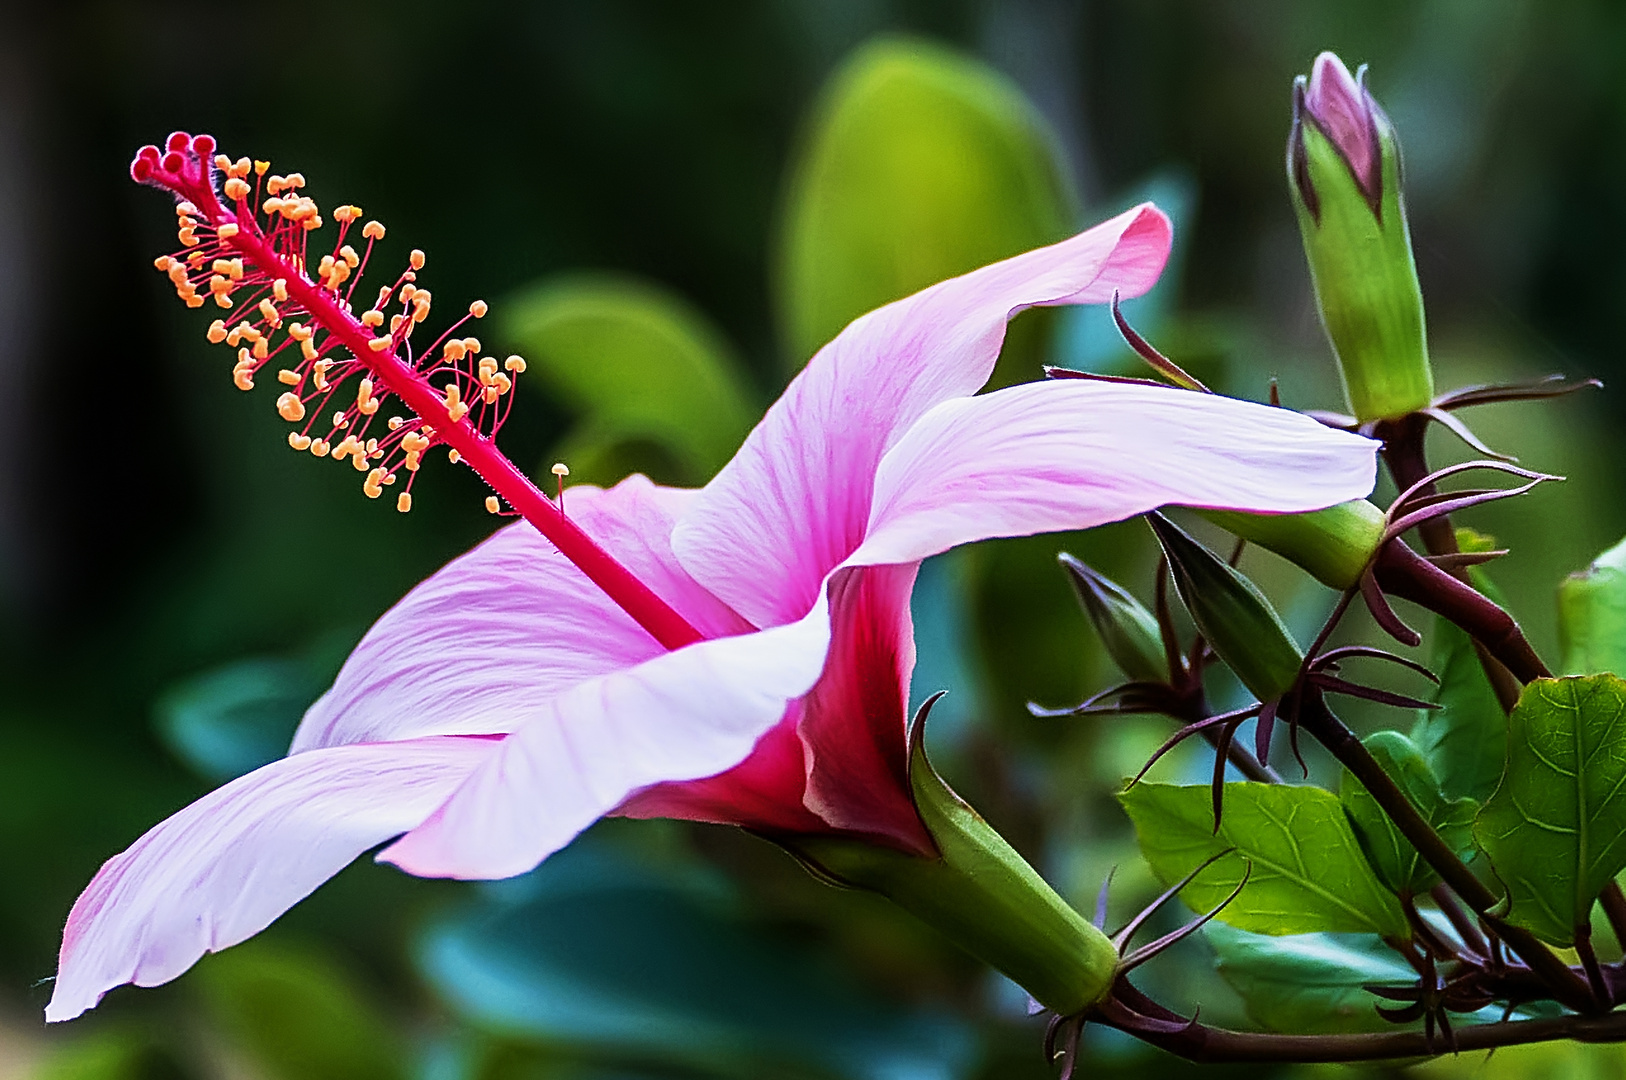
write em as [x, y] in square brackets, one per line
[1343, 167]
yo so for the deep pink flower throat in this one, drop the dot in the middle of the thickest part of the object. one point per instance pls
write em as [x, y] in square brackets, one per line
[229, 252]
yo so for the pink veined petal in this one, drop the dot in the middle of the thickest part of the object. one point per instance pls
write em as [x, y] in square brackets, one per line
[1042, 457]
[689, 713]
[839, 757]
[478, 645]
[220, 870]
[794, 501]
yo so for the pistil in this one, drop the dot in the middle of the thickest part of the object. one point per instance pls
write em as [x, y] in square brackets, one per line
[186, 172]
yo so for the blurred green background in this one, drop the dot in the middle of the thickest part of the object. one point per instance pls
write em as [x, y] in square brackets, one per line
[670, 207]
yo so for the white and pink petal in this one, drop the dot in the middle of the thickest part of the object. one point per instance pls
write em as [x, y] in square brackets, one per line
[222, 869]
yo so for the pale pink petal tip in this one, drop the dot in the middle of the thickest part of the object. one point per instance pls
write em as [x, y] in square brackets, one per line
[1339, 105]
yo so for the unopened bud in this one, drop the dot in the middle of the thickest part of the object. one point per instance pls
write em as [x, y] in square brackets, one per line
[1334, 545]
[1128, 631]
[1343, 166]
[1231, 613]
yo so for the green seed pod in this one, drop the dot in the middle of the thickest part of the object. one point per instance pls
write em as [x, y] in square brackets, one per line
[1334, 545]
[1231, 613]
[1128, 631]
[1343, 166]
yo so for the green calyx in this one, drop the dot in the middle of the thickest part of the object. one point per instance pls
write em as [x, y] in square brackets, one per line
[1365, 277]
[1231, 613]
[1334, 545]
[979, 892]
[1128, 631]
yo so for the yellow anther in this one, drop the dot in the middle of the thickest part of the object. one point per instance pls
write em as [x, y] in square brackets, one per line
[325, 267]
[319, 371]
[379, 344]
[455, 409]
[488, 368]
[221, 266]
[288, 377]
[492, 505]
[307, 349]
[453, 456]
[177, 272]
[478, 309]
[243, 166]
[259, 167]
[455, 350]
[372, 446]
[185, 208]
[346, 446]
[359, 460]
[220, 283]
[279, 289]
[403, 501]
[373, 230]
[319, 447]
[217, 332]
[269, 310]
[262, 348]
[193, 300]
[372, 318]
[408, 291]
[298, 441]
[503, 382]
[384, 293]
[516, 364]
[236, 190]
[490, 395]
[272, 205]
[395, 323]
[164, 262]
[275, 185]
[230, 229]
[366, 404]
[347, 213]
[420, 309]
[416, 259]
[222, 161]
[290, 407]
[395, 422]
[338, 419]
[300, 332]
[223, 300]
[413, 457]
[188, 237]
[243, 377]
[312, 223]
[472, 344]
[348, 254]
[414, 443]
[560, 469]
[374, 485]
[296, 180]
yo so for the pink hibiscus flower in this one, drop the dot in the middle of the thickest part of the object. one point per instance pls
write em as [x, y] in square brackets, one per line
[508, 702]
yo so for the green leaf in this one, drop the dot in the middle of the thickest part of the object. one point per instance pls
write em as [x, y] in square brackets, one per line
[1392, 856]
[651, 376]
[608, 960]
[297, 1014]
[919, 164]
[1592, 616]
[1555, 830]
[1308, 871]
[1309, 983]
[1465, 739]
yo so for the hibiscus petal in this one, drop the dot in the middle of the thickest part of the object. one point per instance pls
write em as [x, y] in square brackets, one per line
[838, 758]
[686, 714]
[223, 868]
[477, 645]
[1042, 457]
[794, 501]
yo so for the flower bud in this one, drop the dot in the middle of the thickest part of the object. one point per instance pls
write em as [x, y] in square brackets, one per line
[1128, 631]
[1343, 166]
[1231, 613]
[980, 893]
[1592, 616]
[1334, 545]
